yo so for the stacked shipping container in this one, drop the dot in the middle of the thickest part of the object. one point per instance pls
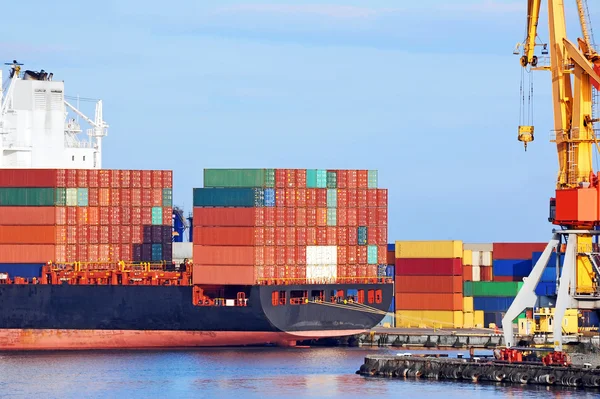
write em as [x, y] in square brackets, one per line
[315, 225]
[80, 215]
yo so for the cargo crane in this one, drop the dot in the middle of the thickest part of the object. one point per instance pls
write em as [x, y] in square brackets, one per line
[575, 207]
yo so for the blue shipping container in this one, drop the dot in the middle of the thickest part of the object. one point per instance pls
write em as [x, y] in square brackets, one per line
[513, 267]
[493, 317]
[26, 270]
[389, 272]
[492, 303]
[269, 197]
[545, 288]
[391, 247]
[234, 197]
[362, 235]
[589, 318]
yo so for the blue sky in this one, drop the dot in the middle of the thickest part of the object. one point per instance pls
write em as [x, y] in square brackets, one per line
[427, 93]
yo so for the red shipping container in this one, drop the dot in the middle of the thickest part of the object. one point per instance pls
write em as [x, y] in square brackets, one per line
[146, 215]
[104, 253]
[279, 197]
[382, 254]
[352, 198]
[429, 301]
[382, 216]
[361, 254]
[82, 178]
[71, 178]
[280, 178]
[311, 236]
[352, 179]
[104, 234]
[311, 197]
[60, 235]
[321, 194]
[301, 258]
[137, 234]
[259, 256]
[342, 236]
[467, 273]
[429, 284]
[125, 179]
[115, 178]
[311, 217]
[93, 197]
[280, 256]
[361, 271]
[322, 217]
[372, 217]
[225, 236]
[361, 216]
[167, 218]
[301, 178]
[71, 253]
[342, 179]
[136, 215]
[280, 217]
[125, 215]
[156, 196]
[146, 197]
[219, 255]
[290, 255]
[516, 250]
[342, 252]
[372, 235]
[28, 216]
[505, 279]
[382, 236]
[280, 236]
[300, 217]
[94, 215]
[219, 274]
[332, 236]
[125, 196]
[82, 253]
[115, 215]
[321, 235]
[382, 197]
[136, 197]
[115, 252]
[352, 236]
[351, 255]
[61, 179]
[372, 197]
[290, 216]
[259, 237]
[157, 179]
[115, 234]
[363, 178]
[290, 178]
[93, 234]
[146, 178]
[269, 256]
[290, 236]
[290, 197]
[29, 178]
[82, 215]
[104, 197]
[136, 178]
[71, 215]
[126, 252]
[301, 197]
[372, 271]
[269, 233]
[226, 217]
[429, 267]
[391, 258]
[342, 216]
[269, 217]
[125, 234]
[259, 216]
[342, 199]
[167, 179]
[300, 235]
[60, 254]
[361, 198]
[104, 178]
[93, 180]
[61, 215]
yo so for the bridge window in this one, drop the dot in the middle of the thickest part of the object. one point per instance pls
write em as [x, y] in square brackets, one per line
[298, 297]
[317, 295]
[282, 298]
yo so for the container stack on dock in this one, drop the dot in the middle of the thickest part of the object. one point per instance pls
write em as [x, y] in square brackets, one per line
[289, 225]
[80, 215]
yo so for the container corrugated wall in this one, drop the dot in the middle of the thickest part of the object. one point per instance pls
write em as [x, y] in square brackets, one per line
[429, 249]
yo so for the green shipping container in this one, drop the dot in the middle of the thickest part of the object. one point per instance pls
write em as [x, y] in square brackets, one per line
[27, 196]
[331, 179]
[321, 178]
[71, 197]
[491, 288]
[311, 178]
[270, 178]
[60, 197]
[372, 176]
[331, 198]
[156, 215]
[229, 197]
[234, 177]
[372, 254]
[167, 197]
[331, 217]
[82, 197]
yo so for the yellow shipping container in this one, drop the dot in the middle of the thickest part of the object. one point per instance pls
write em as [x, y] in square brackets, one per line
[468, 304]
[429, 319]
[467, 257]
[429, 249]
[478, 319]
[585, 276]
[468, 320]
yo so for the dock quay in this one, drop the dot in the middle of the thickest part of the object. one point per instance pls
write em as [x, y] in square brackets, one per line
[479, 369]
[430, 338]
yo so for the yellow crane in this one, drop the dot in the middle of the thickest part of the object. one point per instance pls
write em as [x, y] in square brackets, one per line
[574, 71]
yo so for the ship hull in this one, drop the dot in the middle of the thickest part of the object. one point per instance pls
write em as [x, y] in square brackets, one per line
[80, 317]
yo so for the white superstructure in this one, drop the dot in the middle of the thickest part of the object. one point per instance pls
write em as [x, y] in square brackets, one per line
[36, 130]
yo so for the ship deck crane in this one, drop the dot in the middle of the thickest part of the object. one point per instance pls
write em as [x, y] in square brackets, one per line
[576, 207]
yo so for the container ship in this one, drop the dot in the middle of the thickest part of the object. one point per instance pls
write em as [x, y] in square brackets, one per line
[279, 255]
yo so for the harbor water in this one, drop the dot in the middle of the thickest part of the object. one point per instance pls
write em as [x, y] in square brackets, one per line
[231, 373]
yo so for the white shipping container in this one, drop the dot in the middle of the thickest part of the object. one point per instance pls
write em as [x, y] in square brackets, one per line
[476, 273]
[478, 247]
[476, 258]
[71, 197]
[182, 250]
[321, 255]
[486, 258]
[321, 273]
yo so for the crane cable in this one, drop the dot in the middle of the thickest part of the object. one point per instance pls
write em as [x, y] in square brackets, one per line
[526, 113]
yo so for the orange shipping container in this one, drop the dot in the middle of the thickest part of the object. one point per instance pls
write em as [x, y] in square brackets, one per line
[25, 253]
[467, 273]
[27, 215]
[27, 235]
[218, 274]
[240, 236]
[223, 255]
[429, 284]
[226, 217]
[429, 301]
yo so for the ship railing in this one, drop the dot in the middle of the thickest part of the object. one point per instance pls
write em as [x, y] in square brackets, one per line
[336, 280]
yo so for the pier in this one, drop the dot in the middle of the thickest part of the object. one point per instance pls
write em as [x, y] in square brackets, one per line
[430, 338]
